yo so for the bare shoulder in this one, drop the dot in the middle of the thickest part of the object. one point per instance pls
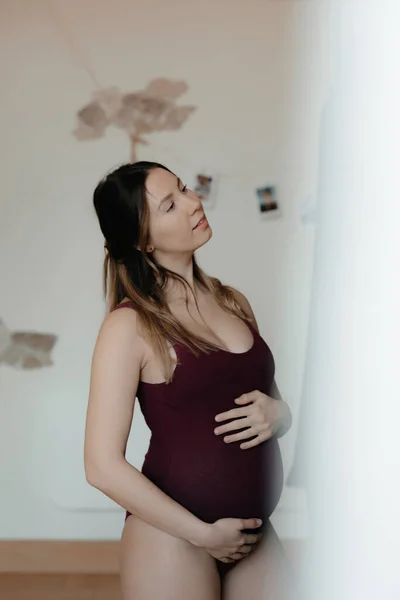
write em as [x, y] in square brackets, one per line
[119, 334]
[244, 304]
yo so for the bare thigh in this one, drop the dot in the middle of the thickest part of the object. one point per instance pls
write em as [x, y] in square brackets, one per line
[265, 574]
[155, 564]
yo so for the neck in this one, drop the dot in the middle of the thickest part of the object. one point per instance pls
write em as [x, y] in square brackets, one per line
[182, 266]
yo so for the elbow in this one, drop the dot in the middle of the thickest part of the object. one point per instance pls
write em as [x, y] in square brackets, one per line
[93, 476]
[95, 473]
[100, 476]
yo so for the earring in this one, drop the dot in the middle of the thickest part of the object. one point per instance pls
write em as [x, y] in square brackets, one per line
[150, 249]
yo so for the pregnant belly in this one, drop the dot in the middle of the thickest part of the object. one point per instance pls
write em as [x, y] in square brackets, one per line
[218, 481]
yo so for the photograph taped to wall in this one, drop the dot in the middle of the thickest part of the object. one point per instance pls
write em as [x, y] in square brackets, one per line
[267, 202]
[205, 186]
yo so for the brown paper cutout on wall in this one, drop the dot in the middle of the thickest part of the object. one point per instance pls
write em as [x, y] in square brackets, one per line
[136, 113]
[25, 350]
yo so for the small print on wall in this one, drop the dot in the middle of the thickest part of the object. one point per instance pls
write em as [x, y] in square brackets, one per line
[205, 186]
[267, 202]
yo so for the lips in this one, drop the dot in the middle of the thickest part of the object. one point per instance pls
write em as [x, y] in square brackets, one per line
[198, 223]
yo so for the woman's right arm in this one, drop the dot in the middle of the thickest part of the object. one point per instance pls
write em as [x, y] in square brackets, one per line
[117, 361]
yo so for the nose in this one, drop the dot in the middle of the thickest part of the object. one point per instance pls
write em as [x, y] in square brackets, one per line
[196, 204]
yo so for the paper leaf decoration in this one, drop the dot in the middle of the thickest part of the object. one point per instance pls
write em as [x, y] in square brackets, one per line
[136, 113]
[165, 88]
[25, 350]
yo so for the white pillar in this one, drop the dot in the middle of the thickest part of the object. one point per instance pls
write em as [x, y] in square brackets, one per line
[352, 382]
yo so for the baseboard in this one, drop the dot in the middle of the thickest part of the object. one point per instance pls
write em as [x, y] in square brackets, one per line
[99, 557]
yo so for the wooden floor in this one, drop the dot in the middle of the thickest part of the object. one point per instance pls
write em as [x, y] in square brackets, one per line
[45, 586]
[71, 570]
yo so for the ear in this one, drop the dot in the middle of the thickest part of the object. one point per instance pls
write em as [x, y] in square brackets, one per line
[149, 249]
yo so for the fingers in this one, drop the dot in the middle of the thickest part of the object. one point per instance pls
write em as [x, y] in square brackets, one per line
[236, 424]
[234, 413]
[246, 548]
[249, 397]
[237, 555]
[251, 523]
[255, 441]
[242, 435]
[226, 560]
[244, 551]
[252, 538]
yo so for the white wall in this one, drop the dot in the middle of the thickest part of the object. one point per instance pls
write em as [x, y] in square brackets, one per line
[259, 86]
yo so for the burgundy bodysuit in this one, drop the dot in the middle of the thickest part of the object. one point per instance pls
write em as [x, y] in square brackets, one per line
[187, 460]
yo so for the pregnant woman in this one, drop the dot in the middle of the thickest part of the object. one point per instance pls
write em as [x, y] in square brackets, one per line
[188, 348]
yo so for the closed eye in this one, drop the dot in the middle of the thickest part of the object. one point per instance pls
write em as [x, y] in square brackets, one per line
[183, 190]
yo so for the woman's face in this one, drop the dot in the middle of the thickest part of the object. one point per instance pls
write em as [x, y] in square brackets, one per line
[175, 212]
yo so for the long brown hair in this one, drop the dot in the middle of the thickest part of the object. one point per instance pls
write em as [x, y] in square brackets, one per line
[129, 271]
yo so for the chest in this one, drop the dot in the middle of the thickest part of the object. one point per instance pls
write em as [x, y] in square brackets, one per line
[210, 322]
[207, 384]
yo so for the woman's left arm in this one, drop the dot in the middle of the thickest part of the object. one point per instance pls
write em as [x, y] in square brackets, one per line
[263, 415]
